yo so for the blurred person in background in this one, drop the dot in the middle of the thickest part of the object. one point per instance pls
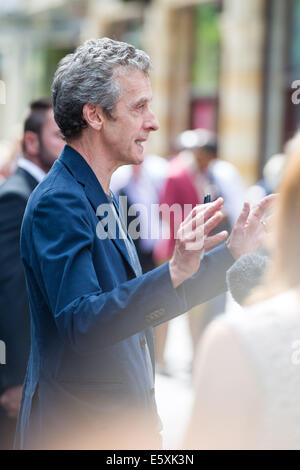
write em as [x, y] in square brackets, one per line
[247, 271]
[268, 184]
[193, 173]
[273, 171]
[41, 144]
[9, 153]
[248, 377]
[142, 185]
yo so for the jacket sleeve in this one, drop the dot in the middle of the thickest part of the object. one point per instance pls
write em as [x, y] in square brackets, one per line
[14, 309]
[87, 317]
[210, 279]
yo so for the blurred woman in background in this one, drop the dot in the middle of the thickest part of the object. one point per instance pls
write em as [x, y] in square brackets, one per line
[248, 384]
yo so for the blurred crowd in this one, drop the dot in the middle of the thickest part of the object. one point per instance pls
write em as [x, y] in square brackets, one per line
[247, 383]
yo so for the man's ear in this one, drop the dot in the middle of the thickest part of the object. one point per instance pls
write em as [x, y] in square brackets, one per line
[93, 115]
[31, 144]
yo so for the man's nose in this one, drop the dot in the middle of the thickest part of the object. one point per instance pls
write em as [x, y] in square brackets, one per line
[152, 122]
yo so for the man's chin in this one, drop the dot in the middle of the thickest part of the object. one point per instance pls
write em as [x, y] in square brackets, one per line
[133, 159]
[137, 159]
[140, 160]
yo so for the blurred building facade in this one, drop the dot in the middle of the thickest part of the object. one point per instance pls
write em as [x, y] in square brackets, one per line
[226, 65]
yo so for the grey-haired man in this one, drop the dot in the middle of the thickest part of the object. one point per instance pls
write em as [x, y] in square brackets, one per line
[90, 379]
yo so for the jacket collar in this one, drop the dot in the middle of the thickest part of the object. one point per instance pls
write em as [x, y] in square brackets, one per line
[31, 181]
[85, 176]
[83, 173]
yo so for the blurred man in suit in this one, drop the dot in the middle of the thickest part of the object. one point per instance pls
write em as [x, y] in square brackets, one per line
[42, 143]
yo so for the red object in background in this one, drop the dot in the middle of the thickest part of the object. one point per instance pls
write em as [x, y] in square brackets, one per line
[8, 169]
[204, 114]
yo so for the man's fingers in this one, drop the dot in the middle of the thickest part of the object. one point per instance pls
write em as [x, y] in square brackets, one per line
[242, 219]
[193, 213]
[196, 245]
[268, 222]
[199, 230]
[189, 225]
[194, 228]
[214, 240]
[263, 205]
[211, 208]
[203, 208]
[213, 222]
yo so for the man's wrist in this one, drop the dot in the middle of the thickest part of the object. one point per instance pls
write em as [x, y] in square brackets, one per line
[176, 276]
[233, 252]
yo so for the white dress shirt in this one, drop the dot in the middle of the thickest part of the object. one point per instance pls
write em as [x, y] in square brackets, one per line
[31, 168]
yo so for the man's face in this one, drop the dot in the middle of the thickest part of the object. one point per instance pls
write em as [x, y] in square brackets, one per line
[51, 142]
[203, 159]
[133, 120]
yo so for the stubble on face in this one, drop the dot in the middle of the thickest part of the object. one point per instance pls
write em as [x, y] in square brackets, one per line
[51, 142]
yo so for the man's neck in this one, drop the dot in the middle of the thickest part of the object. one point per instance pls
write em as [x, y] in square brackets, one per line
[96, 159]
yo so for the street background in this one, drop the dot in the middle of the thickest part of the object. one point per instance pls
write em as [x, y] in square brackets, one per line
[228, 66]
[174, 393]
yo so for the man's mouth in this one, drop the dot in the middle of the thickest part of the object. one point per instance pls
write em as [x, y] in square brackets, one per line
[139, 143]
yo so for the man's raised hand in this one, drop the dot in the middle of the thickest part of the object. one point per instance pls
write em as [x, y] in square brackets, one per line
[193, 238]
[249, 231]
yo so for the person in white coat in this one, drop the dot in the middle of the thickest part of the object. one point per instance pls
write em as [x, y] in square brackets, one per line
[248, 370]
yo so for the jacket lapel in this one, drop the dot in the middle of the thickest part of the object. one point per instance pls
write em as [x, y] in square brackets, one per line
[83, 173]
[31, 181]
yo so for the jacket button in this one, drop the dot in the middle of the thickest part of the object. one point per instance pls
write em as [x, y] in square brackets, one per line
[143, 343]
[152, 390]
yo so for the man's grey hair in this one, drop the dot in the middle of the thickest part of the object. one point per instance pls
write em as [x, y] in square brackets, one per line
[89, 76]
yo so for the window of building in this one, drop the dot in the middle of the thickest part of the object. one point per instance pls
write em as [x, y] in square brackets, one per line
[281, 117]
[205, 66]
[292, 121]
[129, 30]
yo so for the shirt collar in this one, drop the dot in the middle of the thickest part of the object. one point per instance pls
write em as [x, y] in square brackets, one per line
[31, 168]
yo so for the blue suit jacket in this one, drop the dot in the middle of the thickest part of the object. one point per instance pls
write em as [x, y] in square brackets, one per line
[92, 355]
[14, 308]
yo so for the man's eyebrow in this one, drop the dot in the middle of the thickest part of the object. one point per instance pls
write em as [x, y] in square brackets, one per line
[142, 100]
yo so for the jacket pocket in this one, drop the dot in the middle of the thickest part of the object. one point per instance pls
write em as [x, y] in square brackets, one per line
[92, 384]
